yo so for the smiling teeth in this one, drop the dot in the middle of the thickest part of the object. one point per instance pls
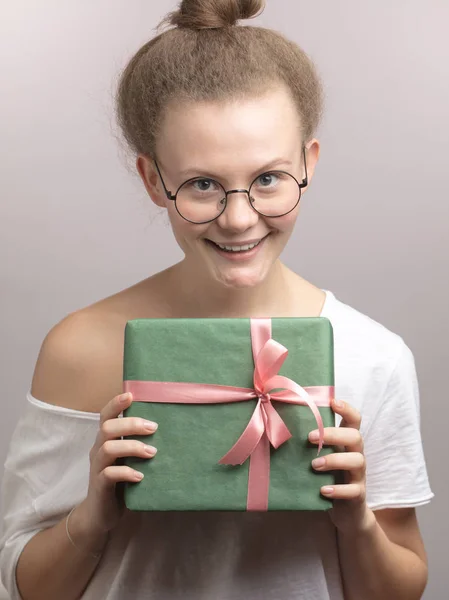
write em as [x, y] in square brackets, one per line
[238, 248]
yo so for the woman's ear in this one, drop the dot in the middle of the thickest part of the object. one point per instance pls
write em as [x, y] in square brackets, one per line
[151, 180]
[312, 155]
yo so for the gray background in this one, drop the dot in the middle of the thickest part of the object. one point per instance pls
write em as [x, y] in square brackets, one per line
[76, 226]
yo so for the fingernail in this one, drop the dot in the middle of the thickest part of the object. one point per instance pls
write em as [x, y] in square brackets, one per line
[327, 490]
[338, 403]
[314, 436]
[124, 397]
[318, 462]
[149, 426]
[138, 475]
[150, 450]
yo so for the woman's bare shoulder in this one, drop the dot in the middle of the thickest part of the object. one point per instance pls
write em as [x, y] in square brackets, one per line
[81, 359]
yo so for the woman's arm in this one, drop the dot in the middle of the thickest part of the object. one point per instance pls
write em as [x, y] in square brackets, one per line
[387, 560]
[74, 370]
[50, 567]
[382, 556]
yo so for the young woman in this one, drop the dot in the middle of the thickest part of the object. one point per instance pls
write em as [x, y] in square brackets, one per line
[221, 119]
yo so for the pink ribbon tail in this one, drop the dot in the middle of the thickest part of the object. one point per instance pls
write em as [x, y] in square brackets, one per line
[284, 382]
[248, 441]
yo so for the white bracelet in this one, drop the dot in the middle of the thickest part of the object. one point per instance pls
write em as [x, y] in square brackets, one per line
[70, 537]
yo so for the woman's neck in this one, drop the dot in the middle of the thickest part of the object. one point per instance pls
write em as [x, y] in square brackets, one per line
[191, 296]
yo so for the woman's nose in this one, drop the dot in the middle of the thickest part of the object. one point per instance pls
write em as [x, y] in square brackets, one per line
[238, 214]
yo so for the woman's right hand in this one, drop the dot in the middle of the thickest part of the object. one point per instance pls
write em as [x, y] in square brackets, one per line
[102, 509]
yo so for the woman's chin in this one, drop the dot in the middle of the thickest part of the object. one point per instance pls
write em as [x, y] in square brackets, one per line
[240, 278]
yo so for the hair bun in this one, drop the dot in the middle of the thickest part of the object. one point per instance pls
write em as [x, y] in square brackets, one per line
[213, 14]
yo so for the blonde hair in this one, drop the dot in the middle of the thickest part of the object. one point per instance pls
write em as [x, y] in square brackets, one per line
[205, 56]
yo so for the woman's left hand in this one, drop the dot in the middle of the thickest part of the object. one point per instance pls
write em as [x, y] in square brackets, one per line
[349, 513]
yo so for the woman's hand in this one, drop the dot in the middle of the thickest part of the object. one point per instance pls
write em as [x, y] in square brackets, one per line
[102, 509]
[349, 512]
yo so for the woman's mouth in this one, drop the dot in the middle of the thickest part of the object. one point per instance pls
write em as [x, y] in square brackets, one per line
[238, 252]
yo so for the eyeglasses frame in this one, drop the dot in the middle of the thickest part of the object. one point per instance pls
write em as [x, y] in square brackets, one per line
[170, 196]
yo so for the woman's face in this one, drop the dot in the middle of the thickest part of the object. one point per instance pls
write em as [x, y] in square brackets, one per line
[232, 143]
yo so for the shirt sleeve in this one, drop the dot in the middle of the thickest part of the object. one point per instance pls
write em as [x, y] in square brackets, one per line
[46, 474]
[396, 474]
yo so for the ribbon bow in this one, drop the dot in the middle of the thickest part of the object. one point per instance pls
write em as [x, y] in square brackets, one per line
[266, 419]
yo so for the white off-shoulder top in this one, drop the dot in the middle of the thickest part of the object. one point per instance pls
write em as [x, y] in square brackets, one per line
[223, 556]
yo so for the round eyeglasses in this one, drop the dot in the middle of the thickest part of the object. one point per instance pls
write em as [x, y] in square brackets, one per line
[272, 194]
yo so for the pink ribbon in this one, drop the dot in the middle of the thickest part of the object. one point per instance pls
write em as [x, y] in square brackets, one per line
[266, 425]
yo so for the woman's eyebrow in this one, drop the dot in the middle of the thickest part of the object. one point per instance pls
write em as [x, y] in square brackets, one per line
[196, 171]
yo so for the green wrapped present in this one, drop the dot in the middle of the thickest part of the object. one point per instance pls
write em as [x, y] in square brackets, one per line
[235, 400]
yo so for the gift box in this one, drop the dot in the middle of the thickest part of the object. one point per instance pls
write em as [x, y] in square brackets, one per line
[235, 400]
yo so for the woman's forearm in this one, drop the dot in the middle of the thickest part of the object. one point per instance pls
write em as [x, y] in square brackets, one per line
[375, 568]
[51, 568]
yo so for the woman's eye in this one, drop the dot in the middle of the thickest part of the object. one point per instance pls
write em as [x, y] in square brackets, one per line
[267, 179]
[203, 185]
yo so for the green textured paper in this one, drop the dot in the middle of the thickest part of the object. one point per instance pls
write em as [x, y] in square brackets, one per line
[185, 474]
